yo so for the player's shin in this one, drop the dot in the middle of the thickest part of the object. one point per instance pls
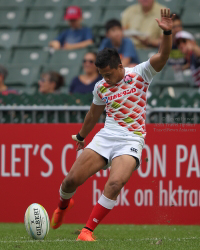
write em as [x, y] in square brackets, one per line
[64, 199]
[100, 210]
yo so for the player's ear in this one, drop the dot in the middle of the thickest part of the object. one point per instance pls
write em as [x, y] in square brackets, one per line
[120, 66]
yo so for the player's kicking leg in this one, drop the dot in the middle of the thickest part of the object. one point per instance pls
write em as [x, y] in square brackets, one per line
[121, 169]
[87, 164]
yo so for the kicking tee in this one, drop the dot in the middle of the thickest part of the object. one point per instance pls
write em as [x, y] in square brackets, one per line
[126, 101]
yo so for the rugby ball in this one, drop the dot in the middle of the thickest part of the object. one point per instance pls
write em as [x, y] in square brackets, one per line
[36, 221]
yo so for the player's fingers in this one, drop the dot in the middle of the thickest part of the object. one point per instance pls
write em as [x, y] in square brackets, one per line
[168, 12]
[164, 14]
[158, 21]
[161, 13]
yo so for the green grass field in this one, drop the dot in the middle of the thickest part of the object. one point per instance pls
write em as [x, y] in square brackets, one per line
[109, 237]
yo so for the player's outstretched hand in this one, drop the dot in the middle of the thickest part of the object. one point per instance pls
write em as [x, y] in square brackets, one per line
[166, 21]
[80, 144]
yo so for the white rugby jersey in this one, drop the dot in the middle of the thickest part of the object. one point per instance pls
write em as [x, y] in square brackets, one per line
[126, 101]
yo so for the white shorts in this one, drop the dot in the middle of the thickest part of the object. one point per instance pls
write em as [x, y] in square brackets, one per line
[110, 146]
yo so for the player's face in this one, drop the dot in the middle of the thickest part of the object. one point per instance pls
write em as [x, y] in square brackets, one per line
[115, 34]
[112, 76]
[88, 63]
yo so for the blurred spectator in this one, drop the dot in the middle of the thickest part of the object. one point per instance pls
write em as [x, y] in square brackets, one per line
[85, 83]
[176, 56]
[76, 37]
[187, 45]
[50, 82]
[141, 17]
[123, 45]
[4, 90]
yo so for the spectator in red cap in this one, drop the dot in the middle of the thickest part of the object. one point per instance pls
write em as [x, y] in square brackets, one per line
[76, 37]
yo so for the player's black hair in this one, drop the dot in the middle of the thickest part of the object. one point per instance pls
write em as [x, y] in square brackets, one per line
[107, 57]
[55, 77]
[177, 17]
[112, 23]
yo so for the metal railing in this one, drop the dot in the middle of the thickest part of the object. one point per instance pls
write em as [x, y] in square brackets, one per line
[164, 115]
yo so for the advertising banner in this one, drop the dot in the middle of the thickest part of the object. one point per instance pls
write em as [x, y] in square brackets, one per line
[34, 159]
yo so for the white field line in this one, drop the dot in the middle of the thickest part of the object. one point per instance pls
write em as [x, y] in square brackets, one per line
[68, 240]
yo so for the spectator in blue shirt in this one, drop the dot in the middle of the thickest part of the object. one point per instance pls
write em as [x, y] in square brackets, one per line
[124, 46]
[76, 37]
[85, 83]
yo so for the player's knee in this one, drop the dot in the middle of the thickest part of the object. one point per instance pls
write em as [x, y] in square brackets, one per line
[115, 186]
[70, 182]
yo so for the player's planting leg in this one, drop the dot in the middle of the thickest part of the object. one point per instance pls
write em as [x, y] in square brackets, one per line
[121, 169]
[87, 164]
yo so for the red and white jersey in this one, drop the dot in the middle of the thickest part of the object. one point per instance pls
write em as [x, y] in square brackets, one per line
[126, 101]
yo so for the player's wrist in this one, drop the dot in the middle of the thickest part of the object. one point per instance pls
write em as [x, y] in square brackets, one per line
[167, 32]
[79, 137]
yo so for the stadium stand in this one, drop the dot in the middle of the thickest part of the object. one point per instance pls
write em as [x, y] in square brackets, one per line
[27, 26]
[37, 38]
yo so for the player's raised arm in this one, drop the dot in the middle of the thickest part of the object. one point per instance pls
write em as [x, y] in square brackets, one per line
[91, 119]
[159, 60]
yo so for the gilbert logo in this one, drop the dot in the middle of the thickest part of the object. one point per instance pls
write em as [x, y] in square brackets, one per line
[95, 220]
[134, 150]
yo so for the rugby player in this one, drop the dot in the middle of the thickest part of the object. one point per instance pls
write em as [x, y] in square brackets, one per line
[122, 91]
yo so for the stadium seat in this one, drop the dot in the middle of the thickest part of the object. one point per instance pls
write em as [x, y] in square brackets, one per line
[185, 100]
[9, 38]
[145, 54]
[110, 14]
[196, 100]
[11, 18]
[177, 91]
[15, 3]
[72, 57]
[174, 5]
[90, 3]
[152, 100]
[191, 3]
[173, 76]
[121, 4]
[168, 101]
[91, 16]
[67, 71]
[22, 75]
[31, 57]
[51, 3]
[191, 16]
[37, 38]
[5, 56]
[47, 18]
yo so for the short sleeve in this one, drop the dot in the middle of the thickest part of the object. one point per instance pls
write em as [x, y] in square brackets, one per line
[88, 34]
[62, 37]
[103, 44]
[145, 70]
[129, 51]
[96, 99]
